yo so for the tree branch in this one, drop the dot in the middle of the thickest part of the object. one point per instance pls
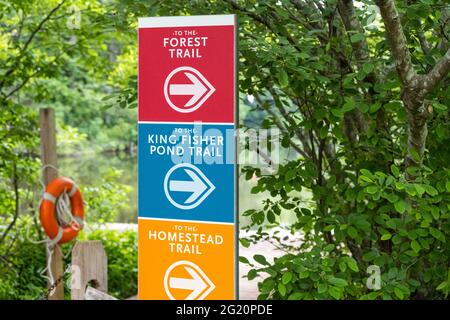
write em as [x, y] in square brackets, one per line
[29, 40]
[424, 45]
[439, 72]
[39, 70]
[298, 131]
[351, 23]
[397, 40]
[280, 125]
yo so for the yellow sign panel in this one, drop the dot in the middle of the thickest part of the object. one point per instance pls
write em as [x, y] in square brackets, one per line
[186, 260]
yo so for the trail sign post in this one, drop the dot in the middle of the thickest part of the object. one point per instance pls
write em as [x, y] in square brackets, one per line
[187, 158]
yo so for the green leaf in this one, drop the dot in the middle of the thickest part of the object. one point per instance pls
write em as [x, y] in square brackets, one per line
[290, 175]
[260, 259]
[392, 197]
[396, 239]
[399, 293]
[420, 190]
[352, 232]
[414, 283]
[362, 224]
[393, 104]
[366, 179]
[132, 105]
[342, 266]
[286, 278]
[244, 260]
[430, 190]
[304, 274]
[372, 189]
[391, 223]
[252, 274]
[338, 282]
[245, 243]
[415, 246]
[267, 285]
[283, 78]
[337, 112]
[386, 236]
[399, 185]
[392, 273]
[296, 296]
[372, 296]
[356, 37]
[270, 217]
[395, 170]
[374, 107]
[442, 286]
[439, 106]
[348, 105]
[109, 96]
[335, 292]
[410, 189]
[415, 155]
[369, 256]
[322, 288]
[323, 132]
[352, 264]
[368, 67]
[437, 234]
[400, 206]
[282, 289]
[366, 173]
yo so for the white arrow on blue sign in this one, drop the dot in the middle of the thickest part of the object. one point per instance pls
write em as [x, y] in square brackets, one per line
[198, 186]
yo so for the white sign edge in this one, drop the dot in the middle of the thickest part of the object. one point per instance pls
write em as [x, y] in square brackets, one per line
[187, 21]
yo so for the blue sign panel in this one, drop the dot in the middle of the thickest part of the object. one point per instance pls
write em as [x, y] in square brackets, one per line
[186, 171]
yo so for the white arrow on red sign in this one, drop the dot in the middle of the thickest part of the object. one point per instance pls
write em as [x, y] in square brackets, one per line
[200, 89]
[196, 89]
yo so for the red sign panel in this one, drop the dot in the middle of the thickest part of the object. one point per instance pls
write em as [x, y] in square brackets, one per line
[186, 74]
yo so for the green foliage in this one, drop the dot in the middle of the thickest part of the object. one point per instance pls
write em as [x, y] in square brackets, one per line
[77, 97]
[61, 54]
[402, 227]
[20, 269]
[18, 170]
[334, 94]
[58, 54]
[106, 198]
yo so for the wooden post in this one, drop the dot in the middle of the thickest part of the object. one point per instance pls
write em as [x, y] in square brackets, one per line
[94, 294]
[49, 157]
[89, 264]
[48, 143]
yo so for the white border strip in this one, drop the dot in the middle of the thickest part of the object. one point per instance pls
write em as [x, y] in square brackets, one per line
[187, 21]
[188, 123]
[191, 221]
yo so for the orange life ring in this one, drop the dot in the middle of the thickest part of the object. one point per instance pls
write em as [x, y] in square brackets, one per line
[54, 189]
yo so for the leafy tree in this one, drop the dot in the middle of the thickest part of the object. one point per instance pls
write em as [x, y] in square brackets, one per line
[58, 54]
[61, 53]
[359, 90]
